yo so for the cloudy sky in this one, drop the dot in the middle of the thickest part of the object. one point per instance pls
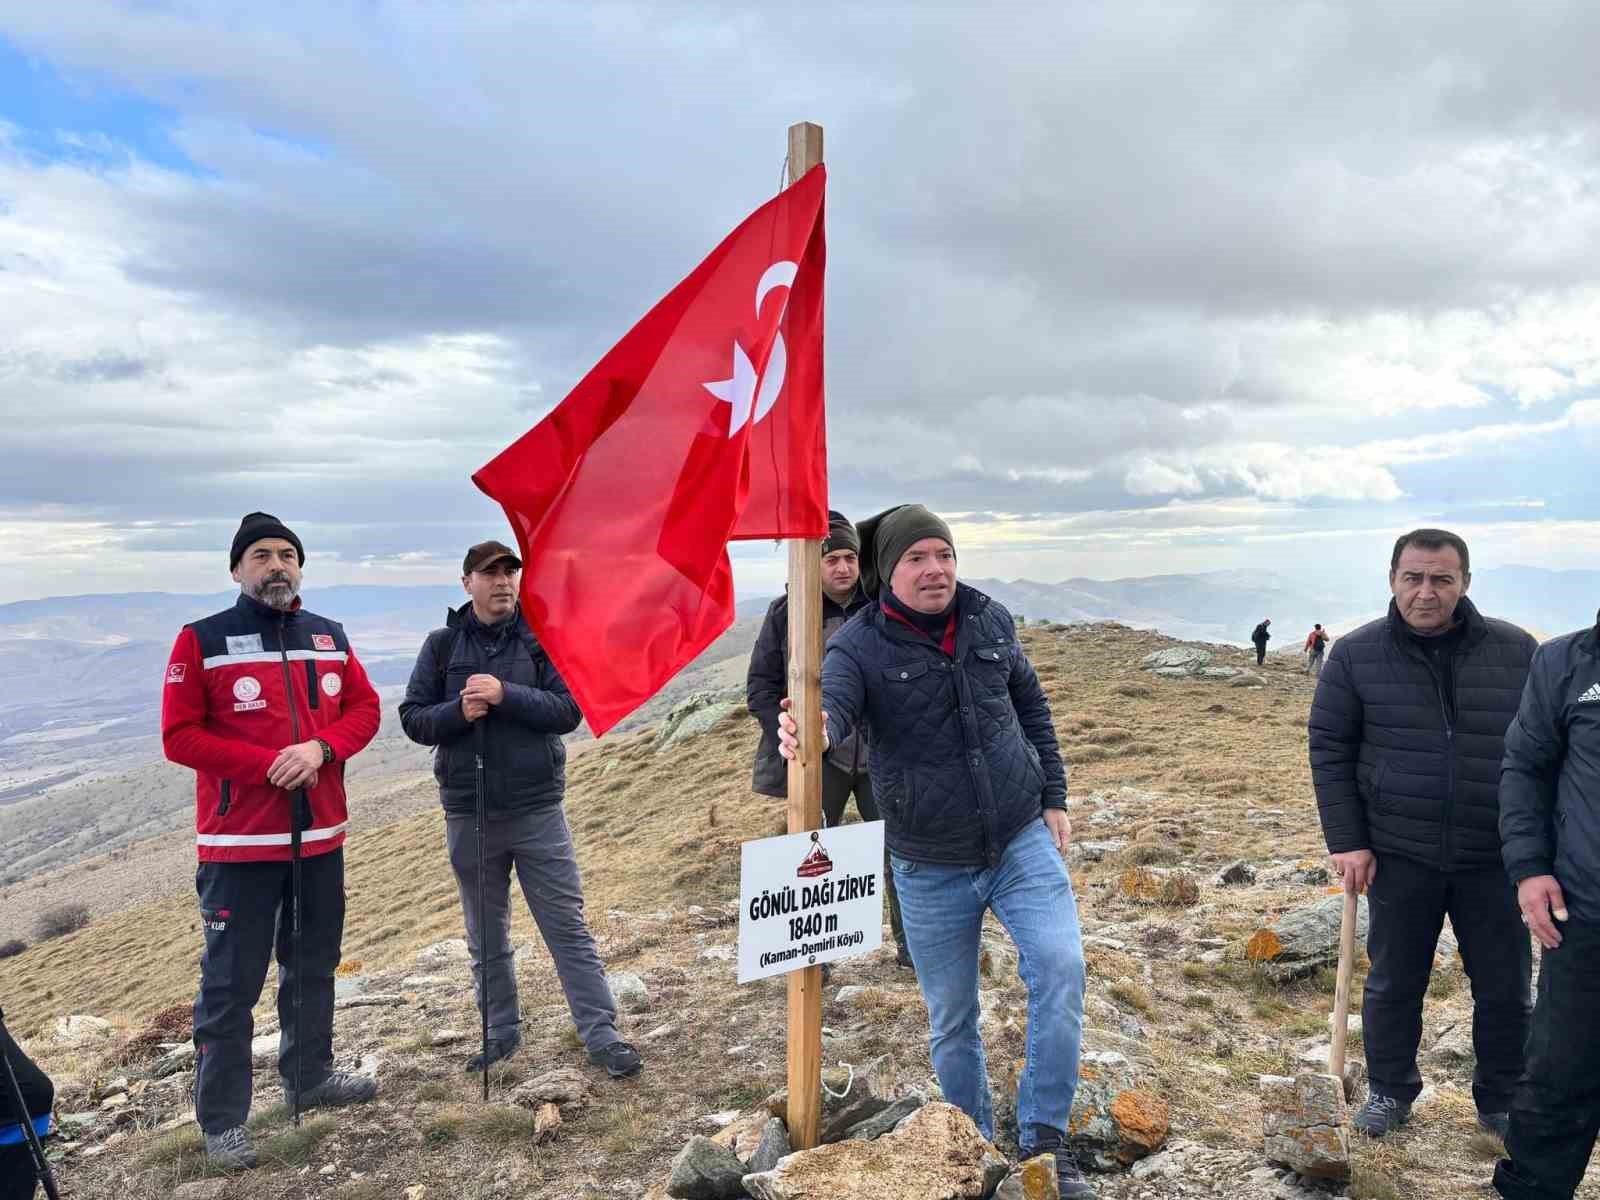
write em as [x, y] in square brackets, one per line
[1134, 288]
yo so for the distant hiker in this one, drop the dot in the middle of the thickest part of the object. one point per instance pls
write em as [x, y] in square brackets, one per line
[1260, 637]
[1550, 841]
[844, 772]
[267, 703]
[486, 665]
[1316, 644]
[1407, 731]
[969, 776]
[18, 1177]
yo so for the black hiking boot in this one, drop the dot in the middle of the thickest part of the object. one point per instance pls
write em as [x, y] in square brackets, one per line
[1381, 1115]
[619, 1059]
[902, 957]
[231, 1149]
[337, 1090]
[500, 1047]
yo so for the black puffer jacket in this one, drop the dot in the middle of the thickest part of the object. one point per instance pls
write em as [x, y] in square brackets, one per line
[963, 753]
[525, 762]
[1396, 769]
[767, 683]
[1550, 787]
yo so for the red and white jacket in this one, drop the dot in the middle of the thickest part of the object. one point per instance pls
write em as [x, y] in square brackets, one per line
[241, 685]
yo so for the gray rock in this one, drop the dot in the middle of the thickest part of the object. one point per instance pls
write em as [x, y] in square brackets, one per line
[697, 713]
[998, 960]
[704, 1170]
[1235, 874]
[78, 1029]
[849, 993]
[1302, 1121]
[264, 1050]
[173, 1061]
[1096, 851]
[1183, 659]
[774, 1144]
[370, 1000]
[443, 954]
[1220, 672]
[884, 1122]
[1034, 1179]
[1303, 940]
[629, 991]
[1173, 672]
[1247, 679]
[201, 1189]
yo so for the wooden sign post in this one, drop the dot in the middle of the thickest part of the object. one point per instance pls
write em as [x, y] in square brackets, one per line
[805, 770]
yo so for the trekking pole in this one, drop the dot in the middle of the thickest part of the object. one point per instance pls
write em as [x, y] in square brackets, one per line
[483, 920]
[1341, 988]
[40, 1163]
[295, 824]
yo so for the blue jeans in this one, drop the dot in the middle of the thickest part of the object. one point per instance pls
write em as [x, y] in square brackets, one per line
[1031, 895]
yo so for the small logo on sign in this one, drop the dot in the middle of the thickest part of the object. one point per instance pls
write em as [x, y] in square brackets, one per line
[332, 685]
[322, 641]
[816, 862]
[246, 687]
[249, 643]
[176, 672]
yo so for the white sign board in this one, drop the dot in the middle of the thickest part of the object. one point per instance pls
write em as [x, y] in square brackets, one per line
[810, 898]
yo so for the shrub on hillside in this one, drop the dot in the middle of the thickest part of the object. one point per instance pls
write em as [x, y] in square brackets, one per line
[62, 919]
[12, 948]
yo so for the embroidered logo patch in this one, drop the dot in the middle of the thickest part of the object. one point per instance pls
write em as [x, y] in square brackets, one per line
[176, 672]
[1592, 696]
[322, 641]
[249, 643]
[246, 687]
[332, 684]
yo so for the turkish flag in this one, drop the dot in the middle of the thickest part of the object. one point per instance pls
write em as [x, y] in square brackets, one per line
[704, 424]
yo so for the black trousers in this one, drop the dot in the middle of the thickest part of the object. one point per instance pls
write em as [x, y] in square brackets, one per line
[18, 1179]
[1408, 902]
[1261, 653]
[246, 908]
[1556, 1114]
[837, 786]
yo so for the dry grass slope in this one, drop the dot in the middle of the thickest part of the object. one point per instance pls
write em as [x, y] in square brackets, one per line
[1220, 772]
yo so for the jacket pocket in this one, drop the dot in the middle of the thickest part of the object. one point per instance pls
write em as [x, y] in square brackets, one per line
[1378, 779]
[906, 673]
[225, 798]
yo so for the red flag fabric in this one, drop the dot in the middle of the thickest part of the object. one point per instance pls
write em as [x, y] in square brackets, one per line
[704, 424]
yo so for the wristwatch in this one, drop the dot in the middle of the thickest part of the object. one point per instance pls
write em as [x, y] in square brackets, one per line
[327, 751]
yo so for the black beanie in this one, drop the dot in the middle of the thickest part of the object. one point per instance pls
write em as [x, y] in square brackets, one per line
[841, 534]
[258, 525]
[889, 535]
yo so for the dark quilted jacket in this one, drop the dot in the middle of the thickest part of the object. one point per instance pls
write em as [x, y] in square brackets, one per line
[524, 759]
[767, 683]
[962, 752]
[1550, 787]
[1393, 773]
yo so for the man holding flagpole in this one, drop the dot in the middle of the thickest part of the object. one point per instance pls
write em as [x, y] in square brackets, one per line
[973, 791]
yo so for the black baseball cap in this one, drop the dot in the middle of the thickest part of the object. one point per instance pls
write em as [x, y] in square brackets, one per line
[486, 554]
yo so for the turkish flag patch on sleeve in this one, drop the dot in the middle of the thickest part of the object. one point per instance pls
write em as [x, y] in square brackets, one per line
[176, 672]
[322, 641]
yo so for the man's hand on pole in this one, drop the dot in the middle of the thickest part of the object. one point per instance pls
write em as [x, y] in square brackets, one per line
[296, 766]
[1357, 869]
[1539, 897]
[1060, 827]
[789, 732]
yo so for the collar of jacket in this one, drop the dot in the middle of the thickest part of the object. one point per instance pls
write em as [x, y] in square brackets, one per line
[969, 603]
[465, 618]
[265, 612]
[1466, 612]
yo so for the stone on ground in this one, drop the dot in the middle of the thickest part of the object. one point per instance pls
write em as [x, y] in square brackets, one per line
[773, 1146]
[1302, 1121]
[1114, 1120]
[1157, 885]
[1032, 1180]
[1303, 940]
[1238, 873]
[704, 1170]
[697, 713]
[546, 1123]
[564, 1085]
[848, 1098]
[935, 1154]
[76, 1030]
[629, 991]
[1183, 659]
[444, 954]
[884, 1122]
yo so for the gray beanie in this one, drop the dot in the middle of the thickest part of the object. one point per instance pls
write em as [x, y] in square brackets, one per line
[841, 534]
[889, 535]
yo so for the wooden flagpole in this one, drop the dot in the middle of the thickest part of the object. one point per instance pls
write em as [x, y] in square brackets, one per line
[805, 770]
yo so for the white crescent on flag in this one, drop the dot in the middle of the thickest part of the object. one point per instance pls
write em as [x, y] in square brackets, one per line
[749, 401]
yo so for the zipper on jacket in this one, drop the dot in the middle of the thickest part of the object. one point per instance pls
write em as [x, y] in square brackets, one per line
[288, 683]
[312, 690]
[226, 800]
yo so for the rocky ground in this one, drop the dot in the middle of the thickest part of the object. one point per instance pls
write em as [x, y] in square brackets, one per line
[1204, 906]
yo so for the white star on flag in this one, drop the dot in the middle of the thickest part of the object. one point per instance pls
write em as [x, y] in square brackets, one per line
[740, 391]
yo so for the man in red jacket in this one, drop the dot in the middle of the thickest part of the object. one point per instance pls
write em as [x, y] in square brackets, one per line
[266, 702]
